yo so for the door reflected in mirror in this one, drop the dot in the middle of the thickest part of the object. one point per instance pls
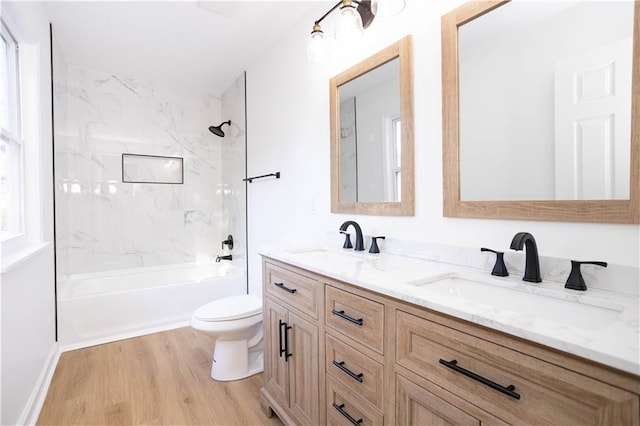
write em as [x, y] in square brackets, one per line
[370, 136]
[545, 101]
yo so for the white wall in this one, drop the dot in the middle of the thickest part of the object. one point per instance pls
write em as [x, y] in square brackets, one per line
[373, 106]
[288, 130]
[27, 289]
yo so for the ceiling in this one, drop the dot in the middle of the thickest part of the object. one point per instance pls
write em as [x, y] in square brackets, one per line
[199, 44]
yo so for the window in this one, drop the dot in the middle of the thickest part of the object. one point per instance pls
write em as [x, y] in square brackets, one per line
[392, 146]
[11, 146]
[397, 157]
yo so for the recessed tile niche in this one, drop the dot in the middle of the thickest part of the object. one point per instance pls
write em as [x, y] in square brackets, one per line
[140, 168]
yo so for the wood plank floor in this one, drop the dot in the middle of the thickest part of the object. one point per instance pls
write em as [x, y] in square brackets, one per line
[161, 378]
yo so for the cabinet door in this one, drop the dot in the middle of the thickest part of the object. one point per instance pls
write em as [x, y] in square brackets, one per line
[276, 374]
[415, 405]
[303, 370]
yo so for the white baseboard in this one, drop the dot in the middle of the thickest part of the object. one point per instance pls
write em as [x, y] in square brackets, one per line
[122, 336]
[32, 409]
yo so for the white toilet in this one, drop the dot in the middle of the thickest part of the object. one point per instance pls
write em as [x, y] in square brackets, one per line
[237, 324]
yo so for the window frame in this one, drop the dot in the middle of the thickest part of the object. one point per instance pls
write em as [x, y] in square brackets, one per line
[392, 159]
[12, 134]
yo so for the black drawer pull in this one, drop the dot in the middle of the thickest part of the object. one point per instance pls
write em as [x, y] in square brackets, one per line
[509, 390]
[341, 314]
[282, 286]
[340, 409]
[353, 375]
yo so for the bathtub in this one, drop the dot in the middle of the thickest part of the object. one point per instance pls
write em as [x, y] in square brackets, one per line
[102, 307]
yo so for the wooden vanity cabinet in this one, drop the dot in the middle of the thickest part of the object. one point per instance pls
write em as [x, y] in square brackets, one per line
[291, 346]
[421, 367]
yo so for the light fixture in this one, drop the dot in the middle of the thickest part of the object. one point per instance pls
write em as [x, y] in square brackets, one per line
[387, 7]
[351, 24]
[317, 49]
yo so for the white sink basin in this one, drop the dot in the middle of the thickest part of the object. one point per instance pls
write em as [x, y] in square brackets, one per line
[326, 255]
[337, 261]
[528, 305]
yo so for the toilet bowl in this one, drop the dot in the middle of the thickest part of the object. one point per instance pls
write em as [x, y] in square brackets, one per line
[236, 322]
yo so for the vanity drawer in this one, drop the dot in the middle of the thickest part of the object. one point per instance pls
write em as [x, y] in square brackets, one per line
[355, 316]
[356, 371]
[342, 403]
[548, 393]
[296, 290]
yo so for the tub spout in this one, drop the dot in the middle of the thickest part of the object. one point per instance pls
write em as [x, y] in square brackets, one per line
[227, 257]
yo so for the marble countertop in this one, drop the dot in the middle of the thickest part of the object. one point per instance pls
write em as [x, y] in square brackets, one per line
[601, 326]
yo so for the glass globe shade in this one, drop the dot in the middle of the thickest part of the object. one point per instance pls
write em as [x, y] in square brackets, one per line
[317, 49]
[349, 25]
[387, 7]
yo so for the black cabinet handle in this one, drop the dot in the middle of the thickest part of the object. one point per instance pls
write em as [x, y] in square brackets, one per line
[287, 354]
[340, 409]
[353, 375]
[509, 390]
[282, 286]
[281, 348]
[341, 314]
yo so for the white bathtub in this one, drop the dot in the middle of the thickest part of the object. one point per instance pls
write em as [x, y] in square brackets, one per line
[106, 306]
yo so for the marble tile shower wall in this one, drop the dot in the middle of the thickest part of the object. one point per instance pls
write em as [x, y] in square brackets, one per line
[105, 224]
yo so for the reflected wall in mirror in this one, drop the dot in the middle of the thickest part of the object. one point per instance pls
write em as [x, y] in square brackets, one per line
[370, 140]
[539, 100]
[372, 135]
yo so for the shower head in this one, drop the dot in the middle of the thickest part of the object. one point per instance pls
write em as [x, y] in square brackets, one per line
[217, 130]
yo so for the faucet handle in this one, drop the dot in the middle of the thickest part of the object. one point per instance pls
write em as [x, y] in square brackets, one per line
[499, 269]
[347, 240]
[575, 280]
[374, 244]
[229, 242]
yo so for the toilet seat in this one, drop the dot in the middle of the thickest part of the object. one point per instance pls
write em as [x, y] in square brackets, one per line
[229, 309]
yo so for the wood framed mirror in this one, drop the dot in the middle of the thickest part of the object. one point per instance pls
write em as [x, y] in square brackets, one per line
[582, 178]
[372, 146]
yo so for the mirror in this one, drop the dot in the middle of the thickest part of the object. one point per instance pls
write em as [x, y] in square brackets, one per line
[372, 135]
[538, 100]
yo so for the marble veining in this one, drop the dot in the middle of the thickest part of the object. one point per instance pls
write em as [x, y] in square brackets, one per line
[604, 326]
[103, 223]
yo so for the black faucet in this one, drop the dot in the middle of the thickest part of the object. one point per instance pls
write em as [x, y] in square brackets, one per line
[359, 243]
[227, 257]
[532, 264]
